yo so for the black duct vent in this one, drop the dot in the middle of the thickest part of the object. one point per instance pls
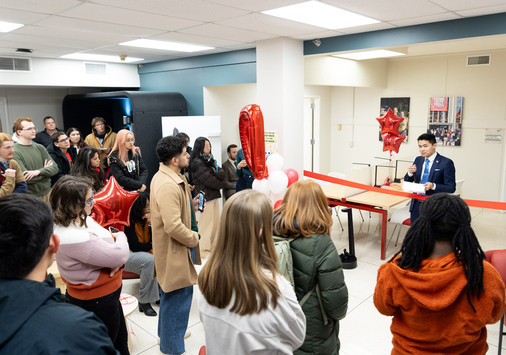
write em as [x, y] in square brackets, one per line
[15, 64]
[479, 60]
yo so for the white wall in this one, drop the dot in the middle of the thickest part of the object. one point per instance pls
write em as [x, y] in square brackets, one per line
[484, 92]
[227, 101]
[72, 73]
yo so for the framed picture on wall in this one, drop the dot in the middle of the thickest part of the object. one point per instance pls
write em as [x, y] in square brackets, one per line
[400, 108]
[444, 120]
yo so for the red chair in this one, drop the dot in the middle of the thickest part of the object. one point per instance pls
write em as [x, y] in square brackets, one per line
[498, 259]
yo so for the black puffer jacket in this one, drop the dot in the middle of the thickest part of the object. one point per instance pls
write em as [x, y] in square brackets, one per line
[315, 260]
[207, 179]
[132, 175]
[61, 160]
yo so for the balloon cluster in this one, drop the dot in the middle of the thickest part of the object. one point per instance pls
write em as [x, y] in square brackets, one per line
[390, 131]
[278, 181]
[113, 204]
[269, 177]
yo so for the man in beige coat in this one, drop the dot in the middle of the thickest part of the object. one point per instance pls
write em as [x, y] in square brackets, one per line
[175, 243]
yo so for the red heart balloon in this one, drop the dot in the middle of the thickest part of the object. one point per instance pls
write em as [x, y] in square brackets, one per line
[251, 132]
[392, 142]
[113, 204]
[390, 123]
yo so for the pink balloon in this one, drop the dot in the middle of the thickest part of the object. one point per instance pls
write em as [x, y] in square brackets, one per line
[293, 176]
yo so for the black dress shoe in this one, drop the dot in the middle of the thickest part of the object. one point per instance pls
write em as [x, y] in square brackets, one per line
[147, 309]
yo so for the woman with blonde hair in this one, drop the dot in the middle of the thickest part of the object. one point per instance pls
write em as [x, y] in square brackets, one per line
[126, 163]
[317, 269]
[245, 305]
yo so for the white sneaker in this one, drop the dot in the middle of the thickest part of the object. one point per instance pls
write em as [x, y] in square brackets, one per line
[187, 333]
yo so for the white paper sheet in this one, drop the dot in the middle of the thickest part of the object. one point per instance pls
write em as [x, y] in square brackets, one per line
[413, 187]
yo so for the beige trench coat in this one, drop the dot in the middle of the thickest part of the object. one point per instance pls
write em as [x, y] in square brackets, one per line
[170, 203]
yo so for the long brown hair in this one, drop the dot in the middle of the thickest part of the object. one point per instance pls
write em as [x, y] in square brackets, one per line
[243, 252]
[304, 211]
[68, 196]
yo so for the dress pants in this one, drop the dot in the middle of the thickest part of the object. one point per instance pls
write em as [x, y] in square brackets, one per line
[143, 263]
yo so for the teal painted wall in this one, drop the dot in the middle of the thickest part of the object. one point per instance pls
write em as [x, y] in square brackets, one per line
[189, 76]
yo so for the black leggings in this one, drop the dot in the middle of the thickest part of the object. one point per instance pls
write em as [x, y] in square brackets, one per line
[109, 310]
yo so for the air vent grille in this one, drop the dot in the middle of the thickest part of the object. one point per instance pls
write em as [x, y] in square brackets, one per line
[96, 68]
[478, 60]
[15, 64]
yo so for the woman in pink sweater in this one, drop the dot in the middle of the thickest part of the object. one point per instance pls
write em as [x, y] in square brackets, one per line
[90, 258]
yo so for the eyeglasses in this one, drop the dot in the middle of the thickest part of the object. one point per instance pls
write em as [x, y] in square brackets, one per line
[90, 200]
[63, 140]
[130, 140]
[30, 129]
[99, 124]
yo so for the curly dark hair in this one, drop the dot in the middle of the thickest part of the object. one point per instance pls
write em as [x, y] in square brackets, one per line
[169, 147]
[137, 210]
[445, 217]
[67, 196]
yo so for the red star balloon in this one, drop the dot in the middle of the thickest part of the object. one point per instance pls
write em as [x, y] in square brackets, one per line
[251, 131]
[390, 123]
[113, 204]
[392, 142]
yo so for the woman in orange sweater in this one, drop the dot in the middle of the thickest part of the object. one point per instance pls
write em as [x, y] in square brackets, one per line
[437, 288]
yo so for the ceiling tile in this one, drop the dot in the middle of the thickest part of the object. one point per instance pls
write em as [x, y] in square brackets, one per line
[456, 5]
[72, 34]
[120, 16]
[269, 24]
[367, 28]
[257, 5]
[65, 23]
[389, 10]
[193, 39]
[45, 7]
[197, 10]
[322, 34]
[425, 19]
[18, 16]
[228, 33]
[483, 11]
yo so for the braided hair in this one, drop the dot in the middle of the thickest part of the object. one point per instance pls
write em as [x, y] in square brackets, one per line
[445, 217]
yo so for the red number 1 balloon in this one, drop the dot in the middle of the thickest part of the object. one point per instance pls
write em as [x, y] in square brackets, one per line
[251, 131]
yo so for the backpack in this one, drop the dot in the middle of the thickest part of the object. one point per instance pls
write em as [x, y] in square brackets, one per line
[285, 266]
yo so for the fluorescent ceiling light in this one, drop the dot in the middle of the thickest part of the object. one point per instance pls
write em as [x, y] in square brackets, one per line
[380, 53]
[9, 26]
[100, 58]
[167, 46]
[321, 15]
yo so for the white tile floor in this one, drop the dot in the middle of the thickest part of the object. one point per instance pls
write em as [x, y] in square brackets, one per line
[364, 331]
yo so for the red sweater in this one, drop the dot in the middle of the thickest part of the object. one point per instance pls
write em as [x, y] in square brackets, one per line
[431, 313]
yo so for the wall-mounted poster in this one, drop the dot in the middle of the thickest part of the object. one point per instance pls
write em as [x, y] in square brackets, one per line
[445, 120]
[400, 108]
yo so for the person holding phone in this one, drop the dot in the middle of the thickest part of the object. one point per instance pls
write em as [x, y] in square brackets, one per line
[209, 178]
[90, 258]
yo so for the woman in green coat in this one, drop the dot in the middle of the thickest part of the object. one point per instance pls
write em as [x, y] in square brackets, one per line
[304, 216]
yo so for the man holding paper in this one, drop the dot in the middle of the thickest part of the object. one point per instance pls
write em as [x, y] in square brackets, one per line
[431, 169]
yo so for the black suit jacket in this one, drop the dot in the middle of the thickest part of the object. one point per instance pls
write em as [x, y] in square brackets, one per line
[442, 173]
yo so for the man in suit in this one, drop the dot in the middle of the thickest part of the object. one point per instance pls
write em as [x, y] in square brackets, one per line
[229, 167]
[434, 171]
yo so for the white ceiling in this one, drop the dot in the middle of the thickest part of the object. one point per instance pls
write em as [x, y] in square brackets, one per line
[57, 27]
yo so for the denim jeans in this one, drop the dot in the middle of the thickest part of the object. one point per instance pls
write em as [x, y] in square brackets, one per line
[173, 318]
